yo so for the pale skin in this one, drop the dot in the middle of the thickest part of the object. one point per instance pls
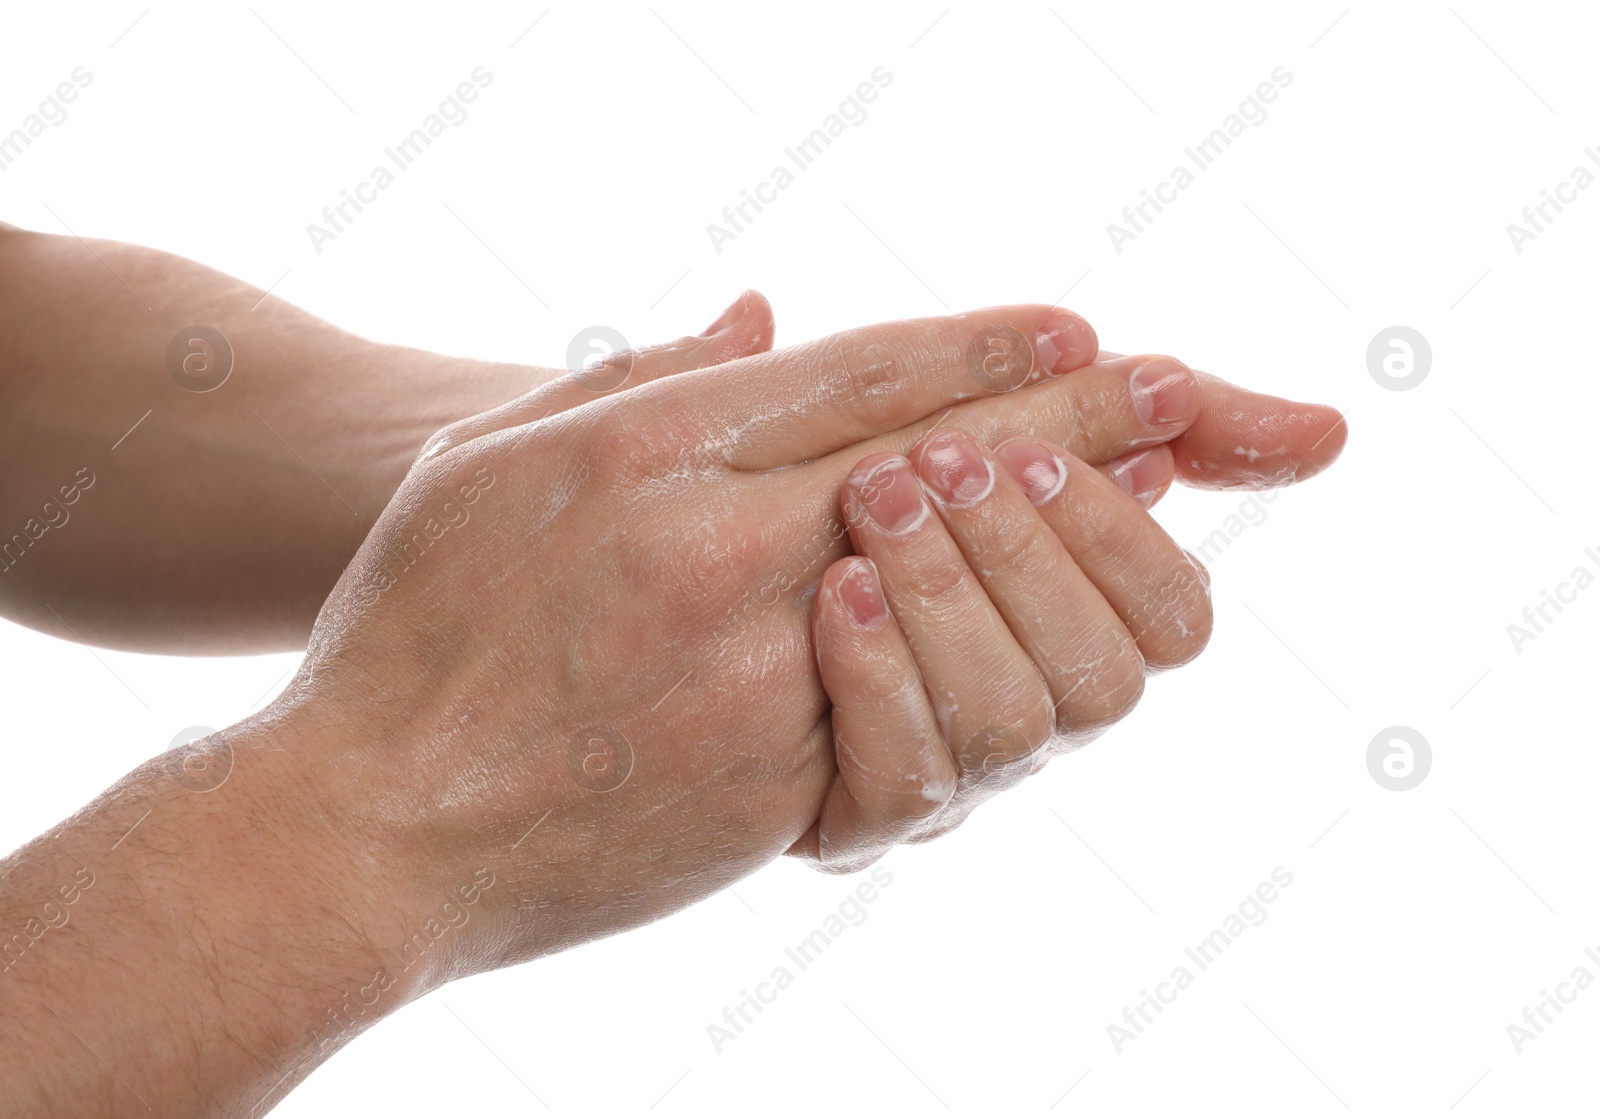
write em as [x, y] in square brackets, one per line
[594, 698]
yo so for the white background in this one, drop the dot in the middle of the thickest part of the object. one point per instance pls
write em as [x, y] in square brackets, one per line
[1377, 192]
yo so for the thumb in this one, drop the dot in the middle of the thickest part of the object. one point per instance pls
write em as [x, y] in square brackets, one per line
[1245, 440]
[744, 329]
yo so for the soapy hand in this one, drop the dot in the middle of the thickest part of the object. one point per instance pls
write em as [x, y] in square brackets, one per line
[600, 682]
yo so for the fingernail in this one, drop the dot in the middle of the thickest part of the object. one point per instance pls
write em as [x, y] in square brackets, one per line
[1163, 391]
[862, 594]
[1140, 476]
[1039, 471]
[890, 495]
[1065, 343]
[955, 469]
[733, 314]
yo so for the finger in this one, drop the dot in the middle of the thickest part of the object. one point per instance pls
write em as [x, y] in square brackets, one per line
[1099, 413]
[1248, 440]
[1145, 476]
[1073, 636]
[992, 706]
[1245, 440]
[894, 770]
[808, 400]
[743, 330]
[1154, 586]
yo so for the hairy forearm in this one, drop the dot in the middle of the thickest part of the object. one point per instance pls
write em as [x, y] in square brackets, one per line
[190, 949]
[140, 513]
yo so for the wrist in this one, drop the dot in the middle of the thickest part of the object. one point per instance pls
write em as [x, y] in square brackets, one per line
[222, 943]
[351, 795]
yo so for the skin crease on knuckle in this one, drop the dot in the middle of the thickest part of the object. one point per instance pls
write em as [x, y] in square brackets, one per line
[1105, 693]
[1107, 674]
[1011, 545]
[872, 382]
[1177, 614]
[871, 374]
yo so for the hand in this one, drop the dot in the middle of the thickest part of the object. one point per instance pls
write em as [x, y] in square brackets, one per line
[638, 566]
[962, 649]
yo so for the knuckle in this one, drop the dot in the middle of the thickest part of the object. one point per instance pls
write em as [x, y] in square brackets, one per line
[1104, 692]
[1175, 621]
[873, 381]
[908, 793]
[1002, 754]
[1101, 536]
[444, 439]
[943, 589]
[1018, 549]
[619, 456]
[709, 570]
[637, 440]
[1078, 411]
[942, 823]
[1182, 616]
[1123, 688]
[884, 688]
[847, 861]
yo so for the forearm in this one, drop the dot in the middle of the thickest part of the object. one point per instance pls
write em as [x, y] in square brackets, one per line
[195, 950]
[139, 513]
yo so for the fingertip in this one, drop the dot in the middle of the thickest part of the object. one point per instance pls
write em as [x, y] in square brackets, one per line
[1065, 341]
[745, 328]
[1244, 440]
[761, 321]
[1328, 442]
[1037, 466]
[860, 592]
[1165, 392]
[1144, 475]
[848, 618]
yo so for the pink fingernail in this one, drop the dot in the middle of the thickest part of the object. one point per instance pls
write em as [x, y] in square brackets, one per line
[956, 469]
[862, 594]
[890, 495]
[1065, 343]
[1039, 471]
[1163, 391]
[1141, 476]
[733, 314]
